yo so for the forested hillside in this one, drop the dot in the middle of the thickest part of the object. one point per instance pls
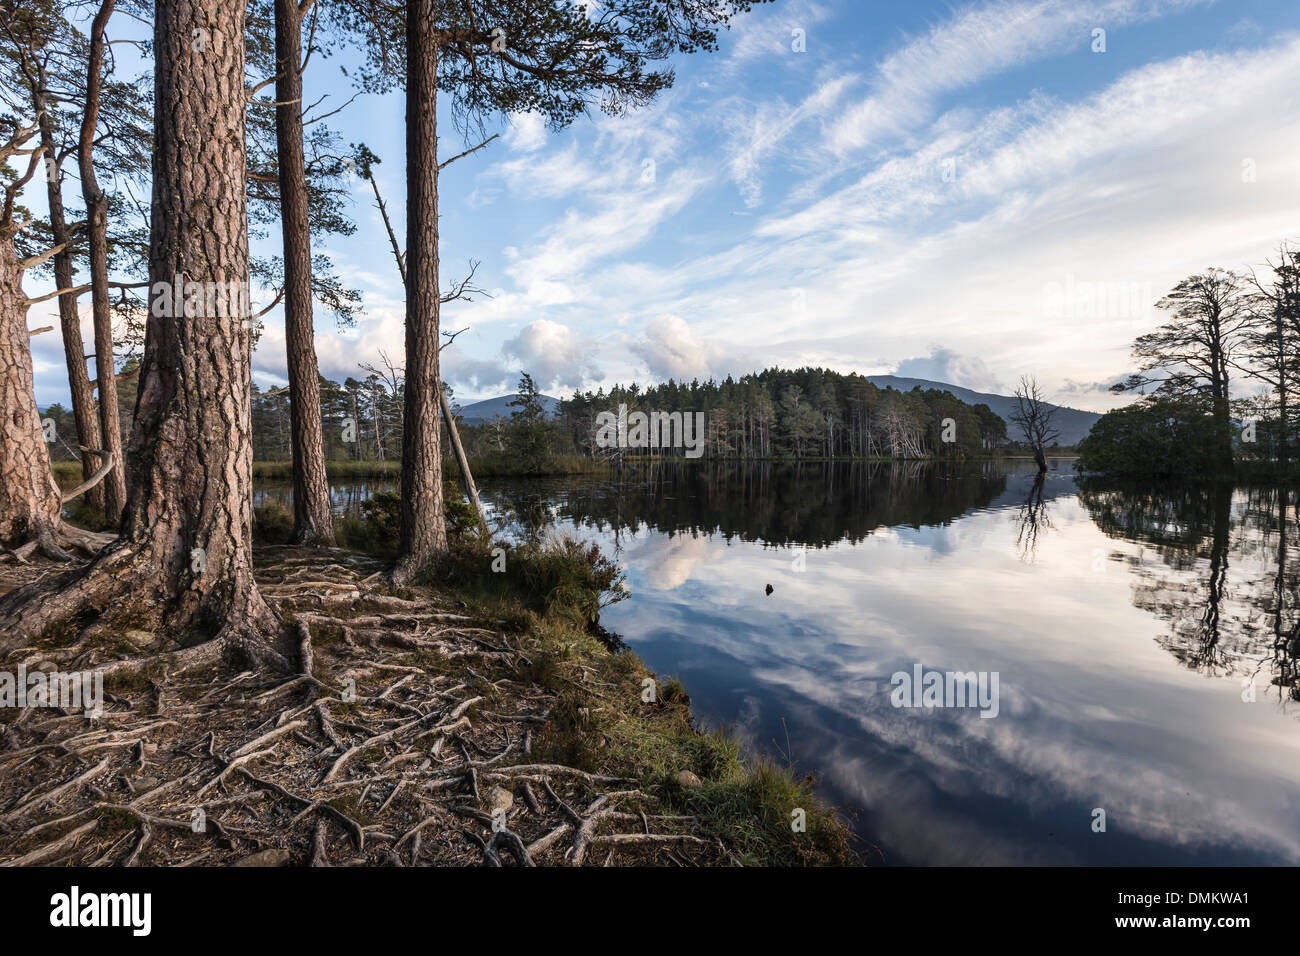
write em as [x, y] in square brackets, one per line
[801, 413]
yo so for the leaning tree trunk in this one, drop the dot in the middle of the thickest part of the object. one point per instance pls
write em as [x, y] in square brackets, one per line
[74, 347]
[462, 463]
[184, 556]
[312, 524]
[423, 527]
[29, 497]
[97, 235]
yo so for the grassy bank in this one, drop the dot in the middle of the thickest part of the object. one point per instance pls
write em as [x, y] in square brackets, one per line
[336, 470]
[68, 473]
[505, 465]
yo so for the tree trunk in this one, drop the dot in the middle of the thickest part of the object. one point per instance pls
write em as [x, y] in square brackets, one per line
[312, 523]
[1283, 425]
[462, 461]
[1041, 459]
[423, 527]
[74, 347]
[97, 236]
[29, 497]
[1221, 408]
[1223, 437]
[184, 555]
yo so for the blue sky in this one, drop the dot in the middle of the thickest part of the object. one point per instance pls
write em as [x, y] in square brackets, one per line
[960, 191]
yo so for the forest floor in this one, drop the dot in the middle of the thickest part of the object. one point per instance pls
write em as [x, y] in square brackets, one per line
[420, 730]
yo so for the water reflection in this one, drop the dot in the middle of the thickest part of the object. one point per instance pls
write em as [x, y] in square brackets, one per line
[1125, 626]
[1098, 628]
[1227, 580]
[346, 498]
[812, 505]
[1034, 518]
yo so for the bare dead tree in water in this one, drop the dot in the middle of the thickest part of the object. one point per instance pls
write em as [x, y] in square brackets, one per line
[1035, 418]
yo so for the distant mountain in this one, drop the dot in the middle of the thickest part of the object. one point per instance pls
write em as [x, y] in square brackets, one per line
[477, 413]
[1073, 423]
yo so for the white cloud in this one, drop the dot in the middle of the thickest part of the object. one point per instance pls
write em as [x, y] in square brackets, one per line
[615, 221]
[553, 355]
[1139, 184]
[671, 349]
[767, 32]
[945, 365]
[759, 130]
[527, 132]
[556, 174]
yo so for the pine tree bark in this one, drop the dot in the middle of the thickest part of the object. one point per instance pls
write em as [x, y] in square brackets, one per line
[423, 535]
[74, 346]
[97, 242]
[184, 555]
[312, 522]
[29, 496]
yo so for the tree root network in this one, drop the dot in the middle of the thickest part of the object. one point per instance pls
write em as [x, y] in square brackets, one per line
[403, 737]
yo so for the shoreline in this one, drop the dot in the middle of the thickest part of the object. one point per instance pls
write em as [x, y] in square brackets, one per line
[68, 473]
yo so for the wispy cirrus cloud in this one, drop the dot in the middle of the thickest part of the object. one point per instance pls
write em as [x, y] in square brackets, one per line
[977, 42]
[1132, 184]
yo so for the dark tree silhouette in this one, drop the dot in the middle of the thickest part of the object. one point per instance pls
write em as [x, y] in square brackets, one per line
[1270, 340]
[1034, 416]
[1191, 354]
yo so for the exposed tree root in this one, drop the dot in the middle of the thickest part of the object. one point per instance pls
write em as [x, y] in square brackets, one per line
[390, 733]
[56, 543]
[96, 591]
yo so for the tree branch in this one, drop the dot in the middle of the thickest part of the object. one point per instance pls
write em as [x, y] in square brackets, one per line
[474, 149]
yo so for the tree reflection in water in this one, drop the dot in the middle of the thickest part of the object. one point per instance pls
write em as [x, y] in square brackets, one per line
[1226, 578]
[1033, 519]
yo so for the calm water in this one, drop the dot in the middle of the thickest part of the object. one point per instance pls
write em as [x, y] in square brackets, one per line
[1125, 630]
